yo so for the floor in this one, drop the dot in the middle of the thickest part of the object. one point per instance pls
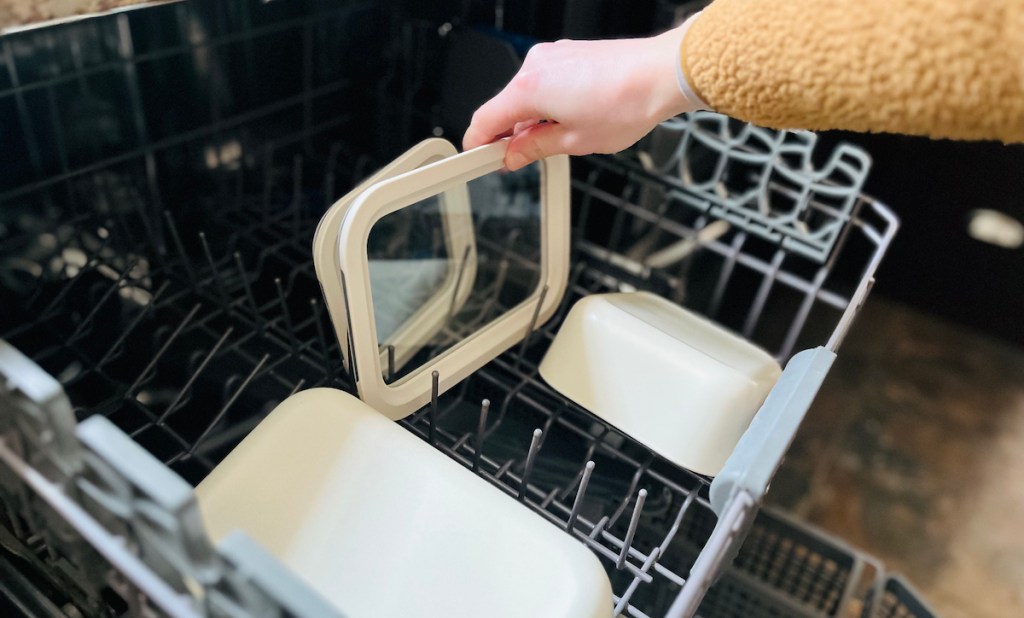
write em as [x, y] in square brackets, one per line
[914, 452]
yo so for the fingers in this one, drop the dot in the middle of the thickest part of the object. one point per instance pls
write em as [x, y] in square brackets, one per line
[495, 117]
[500, 115]
[524, 125]
[538, 142]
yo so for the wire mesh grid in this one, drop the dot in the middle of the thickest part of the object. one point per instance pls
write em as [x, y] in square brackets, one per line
[646, 227]
[186, 313]
[189, 354]
[241, 325]
[789, 569]
[896, 598]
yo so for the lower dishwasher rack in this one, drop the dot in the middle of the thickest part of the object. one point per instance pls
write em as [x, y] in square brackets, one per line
[184, 323]
[187, 350]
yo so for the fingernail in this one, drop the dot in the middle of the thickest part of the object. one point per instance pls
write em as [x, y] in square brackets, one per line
[515, 160]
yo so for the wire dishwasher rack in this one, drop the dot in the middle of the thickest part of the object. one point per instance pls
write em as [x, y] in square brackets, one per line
[167, 169]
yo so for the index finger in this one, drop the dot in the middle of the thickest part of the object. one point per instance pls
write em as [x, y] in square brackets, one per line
[499, 116]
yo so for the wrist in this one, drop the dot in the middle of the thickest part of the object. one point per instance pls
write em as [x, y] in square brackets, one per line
[674, 94]
[683, 79]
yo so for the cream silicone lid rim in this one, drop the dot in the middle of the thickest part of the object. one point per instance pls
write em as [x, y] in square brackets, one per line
[401, 398]
[325, 239]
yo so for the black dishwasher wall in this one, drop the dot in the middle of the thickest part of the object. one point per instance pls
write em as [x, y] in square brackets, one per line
[164, 91]
[135, 91]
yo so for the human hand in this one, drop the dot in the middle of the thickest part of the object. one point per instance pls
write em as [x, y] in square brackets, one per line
[582, 97]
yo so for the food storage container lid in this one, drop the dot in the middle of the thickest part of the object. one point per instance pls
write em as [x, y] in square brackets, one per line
[465, 198]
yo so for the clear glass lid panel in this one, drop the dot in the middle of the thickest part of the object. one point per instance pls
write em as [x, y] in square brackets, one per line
[408, 262]
[445, 267]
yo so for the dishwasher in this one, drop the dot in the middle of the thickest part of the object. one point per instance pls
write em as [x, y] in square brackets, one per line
[165, 168]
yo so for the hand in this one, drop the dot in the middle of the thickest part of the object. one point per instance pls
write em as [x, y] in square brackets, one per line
[593, 96]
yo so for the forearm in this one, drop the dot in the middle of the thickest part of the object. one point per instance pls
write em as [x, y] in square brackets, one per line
[942, 68]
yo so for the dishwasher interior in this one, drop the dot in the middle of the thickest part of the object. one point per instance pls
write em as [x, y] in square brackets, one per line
[164, 171]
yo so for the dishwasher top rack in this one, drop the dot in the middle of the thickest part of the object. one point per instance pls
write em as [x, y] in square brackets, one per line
[165, 278]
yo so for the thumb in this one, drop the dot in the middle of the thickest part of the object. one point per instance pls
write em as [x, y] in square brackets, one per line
[538, 142]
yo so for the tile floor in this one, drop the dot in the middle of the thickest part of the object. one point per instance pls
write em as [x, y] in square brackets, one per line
[914, 452]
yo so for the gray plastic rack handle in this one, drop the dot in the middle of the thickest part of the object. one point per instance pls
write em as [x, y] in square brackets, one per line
[759, 452]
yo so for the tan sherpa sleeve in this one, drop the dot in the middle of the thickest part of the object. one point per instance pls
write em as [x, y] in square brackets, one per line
[942, 68]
